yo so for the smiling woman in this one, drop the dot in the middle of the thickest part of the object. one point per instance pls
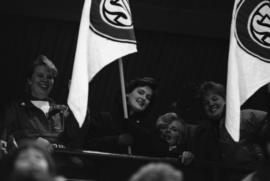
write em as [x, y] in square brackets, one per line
[41, 77]
[110, 132]
[35, 116]
[245, 154]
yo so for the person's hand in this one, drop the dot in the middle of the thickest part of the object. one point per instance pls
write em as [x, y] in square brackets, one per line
[44, 143]
[58, 146]
[3, 146]
[125, 139]
[58, 108]
[56, 117]
[187, 157]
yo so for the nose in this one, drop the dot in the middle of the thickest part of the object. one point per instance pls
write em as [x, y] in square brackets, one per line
[210, 102]
[143, 97]
[44, 79]
[167, 130]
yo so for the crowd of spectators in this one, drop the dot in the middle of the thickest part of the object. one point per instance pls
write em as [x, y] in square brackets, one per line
[35, 125]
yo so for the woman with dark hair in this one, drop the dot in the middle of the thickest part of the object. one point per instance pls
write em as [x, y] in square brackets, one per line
[36, 116]
[111, 132]
[245, 154]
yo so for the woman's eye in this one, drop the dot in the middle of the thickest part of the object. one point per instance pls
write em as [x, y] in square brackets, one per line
[49, 77]
[40, 75]
[148, 97]
[140, 91]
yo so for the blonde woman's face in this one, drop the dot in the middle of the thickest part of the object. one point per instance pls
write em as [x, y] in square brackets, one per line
[41, 82]
[31, 160]
[171, 132]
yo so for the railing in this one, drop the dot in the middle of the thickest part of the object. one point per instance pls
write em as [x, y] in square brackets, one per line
[86, 164]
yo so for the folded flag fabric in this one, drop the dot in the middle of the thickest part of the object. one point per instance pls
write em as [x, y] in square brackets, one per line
[106, 33]
[249, 57]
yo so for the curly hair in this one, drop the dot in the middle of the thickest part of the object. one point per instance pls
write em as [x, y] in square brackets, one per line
[211, 87]
[42, 60]
[167, 119]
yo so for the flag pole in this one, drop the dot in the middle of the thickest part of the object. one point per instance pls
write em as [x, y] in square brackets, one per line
[123, 93]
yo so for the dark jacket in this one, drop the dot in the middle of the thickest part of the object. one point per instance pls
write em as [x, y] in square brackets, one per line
[105, 128]
[23, 120]
[216, 140]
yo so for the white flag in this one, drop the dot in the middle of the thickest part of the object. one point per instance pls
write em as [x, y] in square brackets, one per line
[249, 57]
[106, 34]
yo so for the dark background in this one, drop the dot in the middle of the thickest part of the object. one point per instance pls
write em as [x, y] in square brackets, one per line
[180, 44]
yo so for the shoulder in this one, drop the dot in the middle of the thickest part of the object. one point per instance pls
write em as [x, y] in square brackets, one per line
[17, 104]
[253, 113]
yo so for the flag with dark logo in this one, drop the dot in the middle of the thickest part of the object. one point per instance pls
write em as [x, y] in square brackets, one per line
[106, 34]
[249, 57]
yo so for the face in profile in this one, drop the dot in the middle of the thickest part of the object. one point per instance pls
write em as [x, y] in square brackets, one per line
[214, 106]
[139, 99]
[172, 133]
[31, 160]
[41, 82]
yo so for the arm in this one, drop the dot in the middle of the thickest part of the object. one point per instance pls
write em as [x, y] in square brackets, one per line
[252, 122]
[101, 136]
[10, 117]
[147, 141]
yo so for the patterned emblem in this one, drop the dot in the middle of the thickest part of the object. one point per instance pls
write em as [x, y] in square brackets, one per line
[252, 30]
[112, 19]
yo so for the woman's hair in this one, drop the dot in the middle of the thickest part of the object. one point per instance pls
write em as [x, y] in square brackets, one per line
[8, 163]
[141, 82]
[211, 87]
[168, 118]
[157, 172]
[42, 60]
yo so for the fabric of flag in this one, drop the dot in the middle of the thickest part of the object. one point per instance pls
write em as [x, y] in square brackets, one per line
[106, 34]
[249, 57]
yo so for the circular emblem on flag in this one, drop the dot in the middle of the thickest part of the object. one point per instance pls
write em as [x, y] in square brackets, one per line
[252, 22]
[112, 19]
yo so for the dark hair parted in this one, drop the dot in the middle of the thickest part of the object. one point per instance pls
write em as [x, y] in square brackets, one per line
[141, 82]
[42, 60]
[211, 87]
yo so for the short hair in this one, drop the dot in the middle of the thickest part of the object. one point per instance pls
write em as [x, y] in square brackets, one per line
[42, 60]
[141, 82]
[168, 118]
[157, 172]
[211, 87]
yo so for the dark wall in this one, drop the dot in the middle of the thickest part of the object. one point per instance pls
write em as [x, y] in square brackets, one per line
[176, 60]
